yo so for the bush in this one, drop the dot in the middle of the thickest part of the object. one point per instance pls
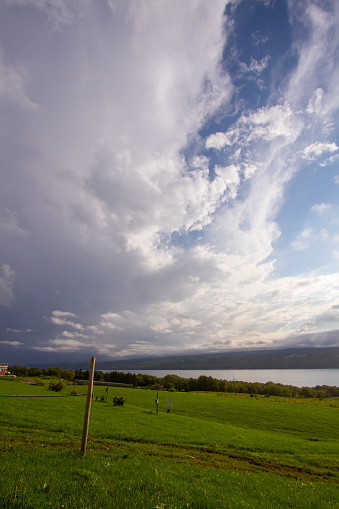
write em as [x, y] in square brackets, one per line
[56, 386]
[118, 401]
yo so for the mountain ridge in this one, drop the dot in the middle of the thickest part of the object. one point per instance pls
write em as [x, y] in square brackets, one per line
[290, 358]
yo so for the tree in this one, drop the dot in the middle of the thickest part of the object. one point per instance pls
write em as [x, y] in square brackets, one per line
[69, 375]
[307, 392]
[35, 372]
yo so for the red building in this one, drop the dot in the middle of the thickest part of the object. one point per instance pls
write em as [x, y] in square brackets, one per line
[3, 368]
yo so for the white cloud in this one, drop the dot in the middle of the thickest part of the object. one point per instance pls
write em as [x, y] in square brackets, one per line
[62, 345]
[201, 162]
[250, 170]
[271, 123]
[62, 321]
[12, 343]
[303, 239]
[63, 314]
[73, 343]
[19, 331]
[7, 283]
[317, 149]
[218, 141]
[321, 207]
[313, 51]
[111, 321]
[315, 103]
[324, 234]
[93, 329]
[74, 335]
[9, 225]
[63, 318]
[267, 124]
[256, 66]
[13, 84]
[230, 178]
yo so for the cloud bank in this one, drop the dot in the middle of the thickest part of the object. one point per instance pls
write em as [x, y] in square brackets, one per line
[169, 178]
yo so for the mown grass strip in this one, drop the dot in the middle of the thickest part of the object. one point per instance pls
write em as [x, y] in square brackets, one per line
[129, 479]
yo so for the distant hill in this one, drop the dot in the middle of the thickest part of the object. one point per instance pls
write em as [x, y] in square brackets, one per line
[292, 358]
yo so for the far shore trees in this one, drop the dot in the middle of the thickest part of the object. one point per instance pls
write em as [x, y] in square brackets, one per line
[176, 383]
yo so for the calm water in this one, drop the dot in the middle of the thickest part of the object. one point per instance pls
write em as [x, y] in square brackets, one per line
[296, 377]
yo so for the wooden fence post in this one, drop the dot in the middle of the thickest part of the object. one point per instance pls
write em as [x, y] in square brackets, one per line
[88, 406]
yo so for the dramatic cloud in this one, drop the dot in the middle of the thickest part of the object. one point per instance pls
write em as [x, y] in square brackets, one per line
[169, 177]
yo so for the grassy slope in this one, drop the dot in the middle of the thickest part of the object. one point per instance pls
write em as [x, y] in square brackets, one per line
[210, 451]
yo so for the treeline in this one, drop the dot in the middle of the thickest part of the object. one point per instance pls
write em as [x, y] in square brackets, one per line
[65, 374]
[208, 383]
[177, 383]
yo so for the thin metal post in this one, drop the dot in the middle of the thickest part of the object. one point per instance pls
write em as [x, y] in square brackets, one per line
[88, 406]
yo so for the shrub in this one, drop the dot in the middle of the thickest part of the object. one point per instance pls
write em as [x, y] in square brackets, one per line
[118, 401]
[56, 386]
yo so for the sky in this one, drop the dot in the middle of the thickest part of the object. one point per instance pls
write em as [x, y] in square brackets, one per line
[169, 177]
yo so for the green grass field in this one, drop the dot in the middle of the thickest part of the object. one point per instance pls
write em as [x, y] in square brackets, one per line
[211, 451]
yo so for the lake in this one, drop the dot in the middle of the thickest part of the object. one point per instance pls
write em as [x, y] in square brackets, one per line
[296, 377]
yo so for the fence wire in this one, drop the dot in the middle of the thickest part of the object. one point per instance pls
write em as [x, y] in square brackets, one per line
[39, 396]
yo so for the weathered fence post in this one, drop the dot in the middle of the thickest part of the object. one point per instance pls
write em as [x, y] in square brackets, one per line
[157, 402]
[169, 405]
[88, 406]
